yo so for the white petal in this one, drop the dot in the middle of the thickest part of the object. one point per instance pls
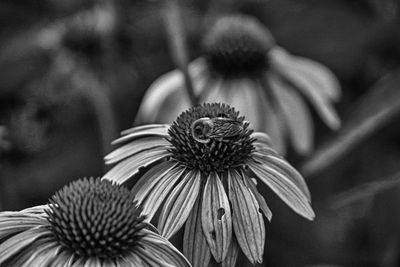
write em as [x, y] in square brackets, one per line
[284, 188]
[301, 82]
[129, 167]
[44, 254]
[17, 243]
[179, 204]
[260, 199]
[281, 167]
[248, 223]
[231, 257]
[195, 246]
[216, 217]
[296, 114]
[159, 192]
[320, 75]
[134, 147]
[160, 130]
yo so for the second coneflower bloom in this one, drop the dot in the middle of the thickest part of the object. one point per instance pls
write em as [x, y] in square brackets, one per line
[203, 168]
[244, 67]
[87, 223]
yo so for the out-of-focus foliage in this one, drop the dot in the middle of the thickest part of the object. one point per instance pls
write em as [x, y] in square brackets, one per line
[54, 62]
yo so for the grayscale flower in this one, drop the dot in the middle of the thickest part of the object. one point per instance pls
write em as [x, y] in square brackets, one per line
[87, 223]
[203, 168]
[244, 67]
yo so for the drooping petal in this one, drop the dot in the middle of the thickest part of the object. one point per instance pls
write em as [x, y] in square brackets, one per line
[195, 246]
[158, 192]
[248, 223]
[321, 76]
[134, 147]
[216, 217]
[44, 254]
[260, 199]
[231, 257]
[134, 260]
[284, 188]
[273, 123]
[296, 114]
[302, 82]
[15, 222]
[160, 130]
[162, 248]
[179, 204]
[63, 259]
[17, 243]
[281, 167]
[166, 98]
[130, 166]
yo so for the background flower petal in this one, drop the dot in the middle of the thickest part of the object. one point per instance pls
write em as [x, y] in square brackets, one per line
[296, 114]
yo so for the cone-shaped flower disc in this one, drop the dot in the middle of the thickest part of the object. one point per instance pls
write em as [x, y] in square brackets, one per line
[88, 223]
[243, 67]
[202, 167]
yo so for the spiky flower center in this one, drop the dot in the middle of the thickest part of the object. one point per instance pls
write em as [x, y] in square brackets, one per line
[94, 218]
[211, 137]
[238, 45]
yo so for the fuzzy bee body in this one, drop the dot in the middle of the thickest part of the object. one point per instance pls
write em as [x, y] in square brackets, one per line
[205, 129]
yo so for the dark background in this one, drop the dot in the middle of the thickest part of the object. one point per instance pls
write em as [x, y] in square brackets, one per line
[51, 91]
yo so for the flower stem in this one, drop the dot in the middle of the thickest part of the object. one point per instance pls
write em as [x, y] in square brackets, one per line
[176, 38]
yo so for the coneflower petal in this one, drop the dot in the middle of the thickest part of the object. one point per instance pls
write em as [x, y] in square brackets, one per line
[262, 138]
[248, 223]
[14, 222]
[43, 255]
[285, 189]
[318, 74]
[296, 114]
[283, 168]
[230, 259]
[63, 259]
[129, 167]
[159, 192]
[195, 246]
[160, 130]
[260, 199]
[179, 204]
[164, 249]
[216, 217]
[136, 146]
[15, 244]
[272, 122]
[134, 260]
[321, 103]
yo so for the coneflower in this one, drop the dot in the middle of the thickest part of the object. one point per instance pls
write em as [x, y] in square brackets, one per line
[243, 66]
[202, 167]
[87, 223]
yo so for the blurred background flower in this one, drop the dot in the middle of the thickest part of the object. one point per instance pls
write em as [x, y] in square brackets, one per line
[208, 184]
[87, 223]
[243, 66]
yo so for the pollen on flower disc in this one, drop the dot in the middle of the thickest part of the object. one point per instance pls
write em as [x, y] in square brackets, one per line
[238, 45]
[220, 153]
[91, 217]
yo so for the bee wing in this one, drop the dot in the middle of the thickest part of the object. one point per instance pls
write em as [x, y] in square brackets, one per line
[223, 129]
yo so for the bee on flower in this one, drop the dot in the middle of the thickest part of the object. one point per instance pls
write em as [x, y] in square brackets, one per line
[203, 167]
[87, 223]
[243, 66]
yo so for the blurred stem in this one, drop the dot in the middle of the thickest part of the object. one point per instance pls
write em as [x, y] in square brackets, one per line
[376, 110]
[98, 99]
[177, 44]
